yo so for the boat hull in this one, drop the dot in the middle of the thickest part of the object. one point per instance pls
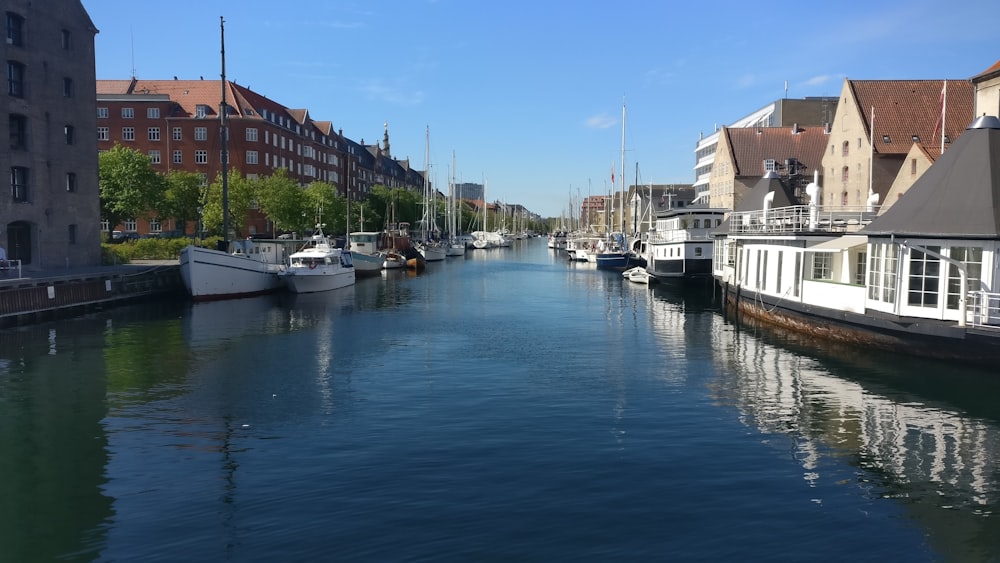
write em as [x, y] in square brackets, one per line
[433, 253]
[367, 264]
[213, 274]
[619, 261]
[322, 278]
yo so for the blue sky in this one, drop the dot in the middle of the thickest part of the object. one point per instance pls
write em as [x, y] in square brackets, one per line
[528, 94]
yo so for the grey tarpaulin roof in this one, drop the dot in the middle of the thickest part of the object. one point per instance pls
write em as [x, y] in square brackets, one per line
[959, 196]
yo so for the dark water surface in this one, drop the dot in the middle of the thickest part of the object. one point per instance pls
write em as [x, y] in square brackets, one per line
[505, 406]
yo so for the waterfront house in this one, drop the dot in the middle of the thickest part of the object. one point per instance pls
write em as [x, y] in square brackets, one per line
[920, 278]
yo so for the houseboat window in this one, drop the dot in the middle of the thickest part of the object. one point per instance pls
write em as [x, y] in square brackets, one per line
[882, 272]
[924, 278]
[697, 224]
[797, 280]
[972, 257]
[763, 271]
[777, 287]
[860, 264]
[697, 251]
[822, 266]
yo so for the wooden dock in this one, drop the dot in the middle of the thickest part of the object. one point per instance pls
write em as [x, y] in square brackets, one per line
[56, 294]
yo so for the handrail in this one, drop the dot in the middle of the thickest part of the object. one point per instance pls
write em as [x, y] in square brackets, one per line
[984, 308]
[801, 218]
[7, 265]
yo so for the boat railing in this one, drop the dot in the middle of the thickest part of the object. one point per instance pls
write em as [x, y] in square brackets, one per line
[984, 308]
[801, 218]
[679, 235]
[10, 267]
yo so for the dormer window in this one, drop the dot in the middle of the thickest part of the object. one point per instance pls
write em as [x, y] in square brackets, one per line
[915, 138]
[770, 165]
[201, 110]
[886, 139]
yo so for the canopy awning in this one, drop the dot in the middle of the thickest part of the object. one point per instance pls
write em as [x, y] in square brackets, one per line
[839, 243]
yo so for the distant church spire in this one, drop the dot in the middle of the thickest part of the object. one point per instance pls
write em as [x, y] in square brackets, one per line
[385, 139]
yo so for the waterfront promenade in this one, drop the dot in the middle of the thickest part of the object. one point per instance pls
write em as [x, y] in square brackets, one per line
[35, 295]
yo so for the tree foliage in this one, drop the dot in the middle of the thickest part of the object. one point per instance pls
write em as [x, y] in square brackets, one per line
[282, 200]
[184, 197]
[129, 187]
[242, 195]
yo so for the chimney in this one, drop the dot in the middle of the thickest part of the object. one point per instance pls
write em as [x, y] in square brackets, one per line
[795, 129]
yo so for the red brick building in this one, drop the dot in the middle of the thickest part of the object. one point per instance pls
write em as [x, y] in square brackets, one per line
[177, 123]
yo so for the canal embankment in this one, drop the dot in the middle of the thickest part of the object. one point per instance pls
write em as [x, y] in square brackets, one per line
[42, 295]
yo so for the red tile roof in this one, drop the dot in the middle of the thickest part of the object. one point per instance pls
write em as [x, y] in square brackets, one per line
[993, 70]
[751, 146]
[904, 108]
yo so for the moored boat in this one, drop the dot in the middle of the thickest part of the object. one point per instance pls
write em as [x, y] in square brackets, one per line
[318, 266]
[249, 268]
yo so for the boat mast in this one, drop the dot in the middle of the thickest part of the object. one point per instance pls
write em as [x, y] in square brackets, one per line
[225, 141]
[623, 170]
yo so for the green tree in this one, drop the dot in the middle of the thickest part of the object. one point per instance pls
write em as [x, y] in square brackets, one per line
[184, 197]
[242, 195]
[283, 201]
[129, 187]
[323, 200]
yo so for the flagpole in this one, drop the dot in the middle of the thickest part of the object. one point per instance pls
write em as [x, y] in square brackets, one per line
[871, 160]
[944, 113]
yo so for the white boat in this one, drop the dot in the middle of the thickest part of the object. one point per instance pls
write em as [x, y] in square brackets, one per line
[681, 245]
[455, 248]
[249, 268]
[364, 247]
[319, 266]
[431, 251]
[638, 274]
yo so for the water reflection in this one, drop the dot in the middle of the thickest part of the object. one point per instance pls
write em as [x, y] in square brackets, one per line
[52, 444]
[920, 451]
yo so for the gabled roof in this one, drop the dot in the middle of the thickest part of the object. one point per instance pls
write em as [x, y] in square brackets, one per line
[958, 196]
[750, 147]
[904, 108]
[988, 73]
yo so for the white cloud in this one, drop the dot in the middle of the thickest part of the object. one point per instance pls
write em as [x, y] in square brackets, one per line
[601, 121]
[392, 95]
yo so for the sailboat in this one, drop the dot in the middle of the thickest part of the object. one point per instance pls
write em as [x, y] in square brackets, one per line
[616, 254]
[481, 240]
[455, 246]
[237, 268]
[429, 248]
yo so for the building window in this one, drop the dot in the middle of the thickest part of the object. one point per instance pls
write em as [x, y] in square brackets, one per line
[913, 167]
[252, 157]
[155, 226]
[252, 134]
[102, 113]
[153, 134]
[846, 150]
[770, 165]
[15, 29]
[822, 266]
[103, 134]
[71, 182]
[924, 277]
[105, 226]
[128, 113]
[70, 134]
[67, 87]
[844, 199]
[128, 133]
[845, 174]
[19, 183]
[153, 113]
[129, 225]
[201, 157]
[200, 134]
[71, 235]
[154, 157]
[972, 257]
[860, 264]
[177, 134]
[15, 79]
[18, 131]
[177, 157]
[201, 110]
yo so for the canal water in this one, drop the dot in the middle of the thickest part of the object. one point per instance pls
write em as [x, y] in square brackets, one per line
[503, 406]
